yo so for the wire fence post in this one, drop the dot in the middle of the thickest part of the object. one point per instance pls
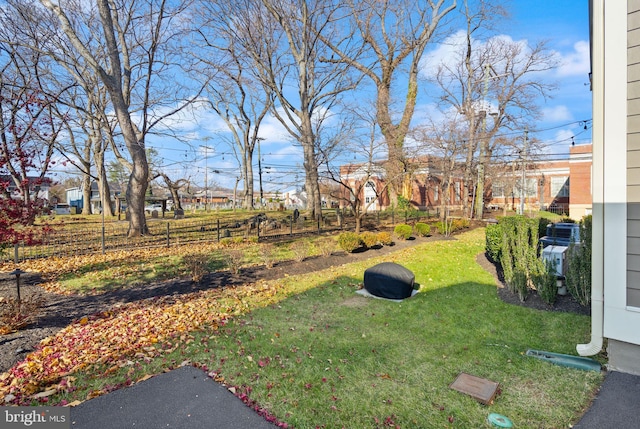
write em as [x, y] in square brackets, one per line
[290, 225]
[168, 244]
[16, 253]
[218, 229]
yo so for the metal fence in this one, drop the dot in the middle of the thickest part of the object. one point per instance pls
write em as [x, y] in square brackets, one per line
[168, 233]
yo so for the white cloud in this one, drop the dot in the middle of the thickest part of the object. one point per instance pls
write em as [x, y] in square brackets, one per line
[450, 52]
[559, 142]
[557, 114]
[196, 116]
[272, 130]
[446, 53]
[575, 62]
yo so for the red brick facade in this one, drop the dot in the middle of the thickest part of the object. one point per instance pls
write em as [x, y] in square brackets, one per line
[563, 186]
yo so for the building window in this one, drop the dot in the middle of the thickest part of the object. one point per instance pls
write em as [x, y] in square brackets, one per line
[458, 191]
[370, 194]
[559, 186]
[497, 190]
[530, 190]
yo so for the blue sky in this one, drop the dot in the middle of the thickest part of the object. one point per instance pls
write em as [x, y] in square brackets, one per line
[562, 23]
[565, 25]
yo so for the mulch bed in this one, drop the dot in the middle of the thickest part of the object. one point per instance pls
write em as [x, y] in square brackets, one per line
[564, 303]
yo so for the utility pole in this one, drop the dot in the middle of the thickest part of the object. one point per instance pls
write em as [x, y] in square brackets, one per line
[206, 175]
[524, 170]
[483, 147]
[260, 169]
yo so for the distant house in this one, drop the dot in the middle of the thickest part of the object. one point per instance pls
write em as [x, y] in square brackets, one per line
[615, 308]
[75, 197]
[34, 183]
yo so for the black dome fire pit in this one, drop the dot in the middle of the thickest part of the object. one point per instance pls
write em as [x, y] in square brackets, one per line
[389, 280]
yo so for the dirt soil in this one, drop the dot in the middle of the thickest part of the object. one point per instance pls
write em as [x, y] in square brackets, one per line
[59, 311]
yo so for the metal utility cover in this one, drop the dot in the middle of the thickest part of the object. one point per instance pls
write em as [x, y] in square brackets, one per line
[480, 389]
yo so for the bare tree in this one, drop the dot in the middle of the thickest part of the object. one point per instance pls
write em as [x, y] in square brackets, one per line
[281, 38]
[443, 145]
[494, 85]
[394, 36]
[234, 93]
[359, 185]
[86, 144]
[82, 110]
[126, 45]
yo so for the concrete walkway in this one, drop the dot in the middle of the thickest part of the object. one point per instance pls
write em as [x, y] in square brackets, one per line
[185, 398]
[616, 405]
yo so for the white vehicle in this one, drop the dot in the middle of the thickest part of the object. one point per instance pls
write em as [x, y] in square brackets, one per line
[150, 208]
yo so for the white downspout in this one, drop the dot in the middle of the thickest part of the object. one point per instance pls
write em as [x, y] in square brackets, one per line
[597, 244]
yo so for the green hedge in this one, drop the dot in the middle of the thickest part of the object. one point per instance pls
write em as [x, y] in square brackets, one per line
[493, 241]
[578, 275]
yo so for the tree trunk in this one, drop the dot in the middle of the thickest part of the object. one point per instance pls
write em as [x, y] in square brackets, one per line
[247, 200]
[86, 193]
[139, 178]
[444, 204]
[177, 205]
[358, 222]
[394, 134]
[103, 184]
[173, 188]
[314, 202]
[105, 194]
[468, 166]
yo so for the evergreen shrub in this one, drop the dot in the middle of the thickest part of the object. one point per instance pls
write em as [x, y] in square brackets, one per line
[403, 231]
[349, 241]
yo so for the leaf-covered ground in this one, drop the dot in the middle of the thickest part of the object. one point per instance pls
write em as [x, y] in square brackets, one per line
[131, 320]
[144, 329]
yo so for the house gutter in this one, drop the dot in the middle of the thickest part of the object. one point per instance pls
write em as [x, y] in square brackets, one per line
[596, 14]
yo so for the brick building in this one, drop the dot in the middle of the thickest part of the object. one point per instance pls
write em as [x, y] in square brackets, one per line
[562, 186]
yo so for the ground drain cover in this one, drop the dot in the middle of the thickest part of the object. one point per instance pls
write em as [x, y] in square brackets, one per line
[480, 389]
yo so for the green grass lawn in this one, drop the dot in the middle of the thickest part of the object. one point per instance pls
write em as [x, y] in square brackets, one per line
[323, 356]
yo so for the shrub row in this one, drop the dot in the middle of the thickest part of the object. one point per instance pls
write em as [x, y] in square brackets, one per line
[350, 241]
[450, 226]
[578, 275]
[514, 243]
